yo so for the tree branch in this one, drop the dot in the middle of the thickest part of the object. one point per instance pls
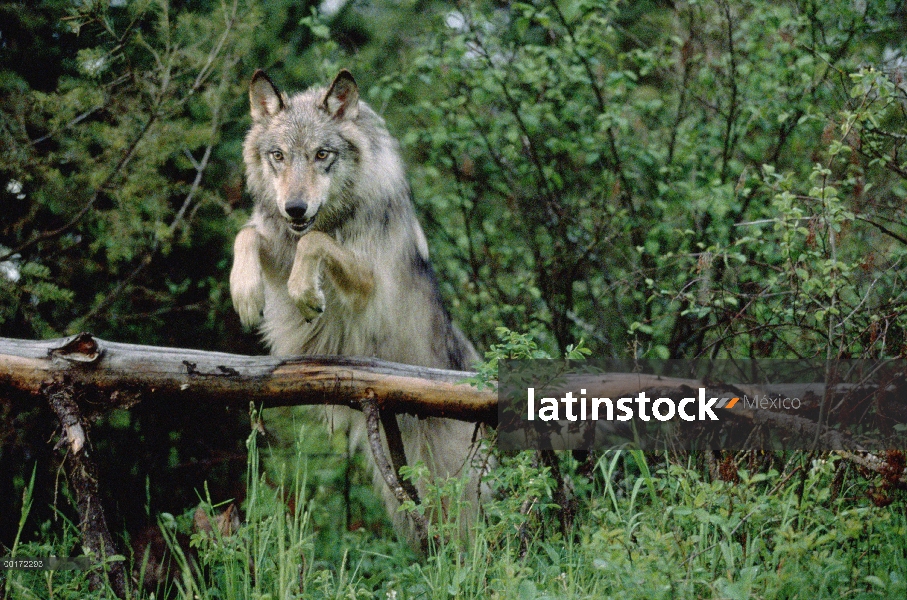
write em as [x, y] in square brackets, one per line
[388, 473]
[82, 473]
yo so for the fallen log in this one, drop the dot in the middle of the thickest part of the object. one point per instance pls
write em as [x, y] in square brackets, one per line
[110, 375]
[116, 375]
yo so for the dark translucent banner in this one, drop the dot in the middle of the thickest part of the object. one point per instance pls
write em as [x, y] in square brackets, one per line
[857, 405]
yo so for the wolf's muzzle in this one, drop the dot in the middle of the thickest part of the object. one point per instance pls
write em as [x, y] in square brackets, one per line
[296, 216]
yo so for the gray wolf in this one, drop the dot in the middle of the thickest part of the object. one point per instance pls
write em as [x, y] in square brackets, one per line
[333, 259]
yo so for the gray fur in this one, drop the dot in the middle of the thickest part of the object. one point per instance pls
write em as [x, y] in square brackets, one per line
[358, 196]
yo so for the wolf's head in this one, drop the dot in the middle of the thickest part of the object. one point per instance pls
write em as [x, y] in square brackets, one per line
[303, 153]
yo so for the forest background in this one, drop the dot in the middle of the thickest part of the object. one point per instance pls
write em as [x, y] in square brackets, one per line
[657, 179]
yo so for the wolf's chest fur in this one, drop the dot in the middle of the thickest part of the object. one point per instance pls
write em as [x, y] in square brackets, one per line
[403, 320]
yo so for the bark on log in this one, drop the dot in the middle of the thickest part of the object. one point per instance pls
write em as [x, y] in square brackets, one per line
[119, 375]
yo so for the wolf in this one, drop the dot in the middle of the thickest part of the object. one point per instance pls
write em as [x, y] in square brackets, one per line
[333, 259]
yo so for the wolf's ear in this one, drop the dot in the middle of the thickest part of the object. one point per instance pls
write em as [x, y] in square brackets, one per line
[342, 99]
[264, 98]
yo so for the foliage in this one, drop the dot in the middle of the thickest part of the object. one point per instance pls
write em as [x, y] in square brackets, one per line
[646, 528]
[643, 179]
[672, 182]
[117, 190]
[115, 166]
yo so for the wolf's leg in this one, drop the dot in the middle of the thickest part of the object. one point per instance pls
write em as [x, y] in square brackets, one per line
[351, 278]
[246, 284]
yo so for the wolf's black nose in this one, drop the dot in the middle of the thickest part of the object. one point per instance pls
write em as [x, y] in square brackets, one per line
[296, 209]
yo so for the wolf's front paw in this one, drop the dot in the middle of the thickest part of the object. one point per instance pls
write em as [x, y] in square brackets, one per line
[309, 299]
[248, 294]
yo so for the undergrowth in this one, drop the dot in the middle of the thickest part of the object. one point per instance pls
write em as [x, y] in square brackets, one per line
[637, 526]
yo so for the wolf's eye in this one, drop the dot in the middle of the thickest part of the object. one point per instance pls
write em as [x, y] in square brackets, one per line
[277, 155]
[322, 155]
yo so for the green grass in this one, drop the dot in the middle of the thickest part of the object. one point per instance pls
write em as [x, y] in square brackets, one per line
[647, 526]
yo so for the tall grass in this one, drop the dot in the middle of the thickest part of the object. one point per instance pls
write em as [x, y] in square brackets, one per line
[646, 526]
